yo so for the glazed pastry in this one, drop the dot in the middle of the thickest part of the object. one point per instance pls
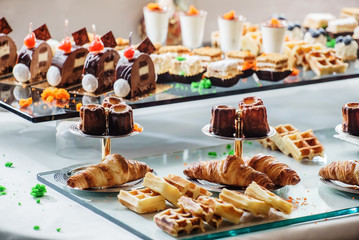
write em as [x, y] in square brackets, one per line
[350, 113]
[93, 119]
[253, 117]
[260, 193]
[343, 171]
[120, 119]
[280, 173]
[113, 170]
[230, 171]
[223, 120]
[111, 101]
[346, 48]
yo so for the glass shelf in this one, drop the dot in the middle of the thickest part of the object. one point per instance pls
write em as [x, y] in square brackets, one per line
[313, 199]
[167, 93]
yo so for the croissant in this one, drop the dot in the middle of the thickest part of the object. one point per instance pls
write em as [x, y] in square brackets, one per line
[113, 170]
[344, 171]
[280, 173]
[230, 171]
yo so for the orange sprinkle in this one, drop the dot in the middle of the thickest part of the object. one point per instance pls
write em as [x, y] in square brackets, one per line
[154, 7]
[305, 199]
[229, 15]
[248, 65]
[136, 128]
[275, 23]
[49, 99]
[192, 10]
[295, 72]
[286, 38]
[25, 102]
[185, 164]
[78, 106]
[62, 94]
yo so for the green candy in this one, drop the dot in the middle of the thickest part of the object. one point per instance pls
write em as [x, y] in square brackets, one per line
[38, 191]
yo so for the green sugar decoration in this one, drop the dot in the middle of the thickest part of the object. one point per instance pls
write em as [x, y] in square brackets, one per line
[36, 227]
[8, 164]
[228, 146]
[58, 229]
[212, 154]
[180, 58]
[38, 191]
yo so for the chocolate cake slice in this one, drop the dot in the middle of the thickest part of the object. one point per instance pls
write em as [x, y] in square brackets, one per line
[66, 68]
[8, 54]
[99, 71]
[136, 75]
[32, 64]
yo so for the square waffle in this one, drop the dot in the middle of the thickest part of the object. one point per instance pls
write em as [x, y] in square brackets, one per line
[175, 221]
[281, 131]
[325, 62]
[303, 145]
[142, 200]
[186, 187]
[162, 187]
[226, 210]
[267, 143]
[297, 51]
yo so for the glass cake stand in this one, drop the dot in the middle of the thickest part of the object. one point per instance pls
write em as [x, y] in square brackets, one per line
[106, 139]
[346, 136]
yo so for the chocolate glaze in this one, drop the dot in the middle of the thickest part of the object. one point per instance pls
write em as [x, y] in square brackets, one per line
[93, 119]
[351, 118]
[111, 101]
[30, 57]
[8, 61]
[120, 119]
[95, 63]
[129, 70]
[65, 63]
[223, 120]
[253, 117]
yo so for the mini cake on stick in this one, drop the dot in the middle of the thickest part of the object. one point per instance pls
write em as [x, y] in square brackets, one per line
[34, 59]
[67, 63]
[99, 67]
[8, 49]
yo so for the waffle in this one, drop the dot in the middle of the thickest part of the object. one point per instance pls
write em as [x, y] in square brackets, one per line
[303, 145]
[142, 200]
[226, 210]
[267, 143]
[325, 62]
[186, 187]
[245, 202]
[175, 221]
[283, 130]
[159, 185]
[296, 52]
[260, 193]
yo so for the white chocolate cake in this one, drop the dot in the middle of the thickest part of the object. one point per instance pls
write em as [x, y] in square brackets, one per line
[317, 20]
[342, 25]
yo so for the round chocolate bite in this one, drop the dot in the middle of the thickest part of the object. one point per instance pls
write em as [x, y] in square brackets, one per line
[253, 117]
[111, 101]
[350, 113]
[120, 119]
[93, 119]
[223, 121]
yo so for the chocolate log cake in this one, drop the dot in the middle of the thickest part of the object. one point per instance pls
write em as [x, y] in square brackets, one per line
[8, 54]
[66, 68]
[33, 63]
[136, 74]
[99, 71]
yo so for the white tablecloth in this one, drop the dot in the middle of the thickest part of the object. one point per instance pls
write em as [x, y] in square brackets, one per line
[35, 148]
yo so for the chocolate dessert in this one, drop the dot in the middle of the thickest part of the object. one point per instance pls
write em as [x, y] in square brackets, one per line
[139, 73]
[111, 101]
[253, 117]
[33, 63]
[99, 70]
[120, 119]
[66, 68]
[223, 120]
[93, 119]
[8, 51]
[350, 113]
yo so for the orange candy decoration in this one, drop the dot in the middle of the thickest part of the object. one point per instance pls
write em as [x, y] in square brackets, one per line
[192, 10]
[136, 128]
[96, 45]
[65, 45]
[154, 7]
[129, 52]
[50, 94]
[25, 102]
[30, 40]
[229, 15]
[275, 23]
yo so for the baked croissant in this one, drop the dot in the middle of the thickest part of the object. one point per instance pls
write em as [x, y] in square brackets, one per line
[230, 171]
[280, 173]
[113, 170]
[344, 171]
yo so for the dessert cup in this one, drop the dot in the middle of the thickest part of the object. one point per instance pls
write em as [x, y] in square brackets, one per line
[156, 22]
[273, 37]
[230, 33]
[192, 29]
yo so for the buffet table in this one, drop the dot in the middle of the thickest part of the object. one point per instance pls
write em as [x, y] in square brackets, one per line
[36, 148]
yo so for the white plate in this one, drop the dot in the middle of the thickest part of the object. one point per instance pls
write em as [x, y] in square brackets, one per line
[346, 136]
[341, 186]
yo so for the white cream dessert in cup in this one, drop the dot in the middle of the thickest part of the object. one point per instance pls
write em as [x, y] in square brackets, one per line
[273, 34]
[156, 21]
[192, 27]
[230, 28]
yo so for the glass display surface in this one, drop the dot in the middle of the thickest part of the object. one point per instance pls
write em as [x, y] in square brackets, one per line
[166, 93]
[313, 199]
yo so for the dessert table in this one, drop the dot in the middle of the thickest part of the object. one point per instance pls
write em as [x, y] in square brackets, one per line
[36, 148]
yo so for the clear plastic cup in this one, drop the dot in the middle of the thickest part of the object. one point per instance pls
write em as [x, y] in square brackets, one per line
[230, 31]
[156, 22]
[192, 29]
[273, 37]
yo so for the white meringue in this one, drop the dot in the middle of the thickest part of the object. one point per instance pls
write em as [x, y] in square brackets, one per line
[121, 88]
[89, 83]
[21, 72]
[53, 76]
